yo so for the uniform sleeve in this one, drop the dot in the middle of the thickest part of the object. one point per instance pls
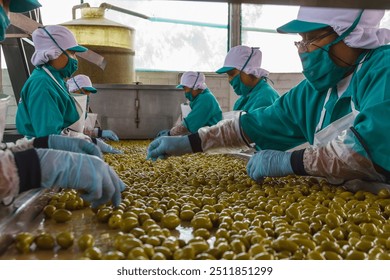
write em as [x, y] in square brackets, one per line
[372, 86]
[202, 111]
[45, 110]
[289, 122]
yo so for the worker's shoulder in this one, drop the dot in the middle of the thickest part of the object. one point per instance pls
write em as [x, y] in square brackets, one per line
[39, 76]
[207, 94]
[379, 56]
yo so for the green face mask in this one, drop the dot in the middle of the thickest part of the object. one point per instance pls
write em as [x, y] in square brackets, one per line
[239, 87]
[70, 67]
[189, 96]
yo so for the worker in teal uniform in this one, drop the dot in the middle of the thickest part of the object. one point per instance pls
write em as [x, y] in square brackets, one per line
[334, 124]
[249, 81]
[45, 105]
[80, 86]
[53, 160]
[205, 109]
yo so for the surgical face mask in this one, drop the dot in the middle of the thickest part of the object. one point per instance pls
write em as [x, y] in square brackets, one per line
[188, 95]
[70, 67]
[239, 87]
[320, 70]
[5, 22]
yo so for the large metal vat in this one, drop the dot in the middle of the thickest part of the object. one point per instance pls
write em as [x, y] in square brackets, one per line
[113, 41]
[136, 111]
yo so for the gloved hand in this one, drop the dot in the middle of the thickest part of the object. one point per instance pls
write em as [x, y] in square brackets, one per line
[269, 163]
[109, 134]
[164, 132]
[164, 146]
[105, 148]
[65, 143]
[81, 172]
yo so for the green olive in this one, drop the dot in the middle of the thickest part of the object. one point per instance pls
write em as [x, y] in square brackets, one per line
[127, 224]
[170, 221]
[23, 242]
[201, 222]
[45, 241]
[65, 239]
[85, 241]
[93, 253]
[49, 210]
[62, 215]
[115, 221]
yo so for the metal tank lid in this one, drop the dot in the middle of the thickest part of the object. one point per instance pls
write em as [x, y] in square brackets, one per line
[94, 16]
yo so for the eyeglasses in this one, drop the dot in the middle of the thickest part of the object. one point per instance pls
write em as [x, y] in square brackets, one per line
[303, 46]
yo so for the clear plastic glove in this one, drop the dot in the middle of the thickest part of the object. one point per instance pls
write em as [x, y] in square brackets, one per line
[89, 174]
[109, 134]
[165, 146]
[164, 132]
[269, 163]
[105, 148]
[76, 145]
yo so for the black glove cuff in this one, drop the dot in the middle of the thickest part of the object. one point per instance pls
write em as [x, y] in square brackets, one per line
[94, 140]
[29, 169]
[169, 133]
[41, 142]
[297, 163]
[100, 132]
[196, 143]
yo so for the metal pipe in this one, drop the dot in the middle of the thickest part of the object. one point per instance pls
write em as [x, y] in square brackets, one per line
[177, 21]
[122, 10]
[83, 5]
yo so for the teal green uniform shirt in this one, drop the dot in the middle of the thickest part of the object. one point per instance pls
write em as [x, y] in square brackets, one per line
[262, 95]
[205, 111]
[44, 108]
[293, 118]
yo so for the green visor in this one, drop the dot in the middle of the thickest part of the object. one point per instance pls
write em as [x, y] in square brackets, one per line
[299, 26]
[21, 6]
[90, 89]
[224, 70]
[78, 49]
[179, 86]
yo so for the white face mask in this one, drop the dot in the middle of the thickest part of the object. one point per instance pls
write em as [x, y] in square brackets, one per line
[4, 100]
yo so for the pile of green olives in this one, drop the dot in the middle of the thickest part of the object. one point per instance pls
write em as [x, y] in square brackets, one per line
[204, 206]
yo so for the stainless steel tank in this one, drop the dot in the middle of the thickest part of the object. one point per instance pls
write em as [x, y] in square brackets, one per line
[113, 41]
[136, 111]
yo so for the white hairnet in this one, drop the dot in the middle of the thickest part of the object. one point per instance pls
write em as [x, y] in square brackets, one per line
[366, 34]
[46, 49]
[238, 56]
[195, 80]
[80, 82]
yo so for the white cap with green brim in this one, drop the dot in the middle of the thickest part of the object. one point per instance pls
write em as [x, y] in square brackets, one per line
[367, 34]
[194, 80]
[79, 82]
[245, 59]
[50, 43]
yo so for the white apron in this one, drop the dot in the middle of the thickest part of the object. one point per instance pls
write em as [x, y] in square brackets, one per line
[74, 129]
[185, 110]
